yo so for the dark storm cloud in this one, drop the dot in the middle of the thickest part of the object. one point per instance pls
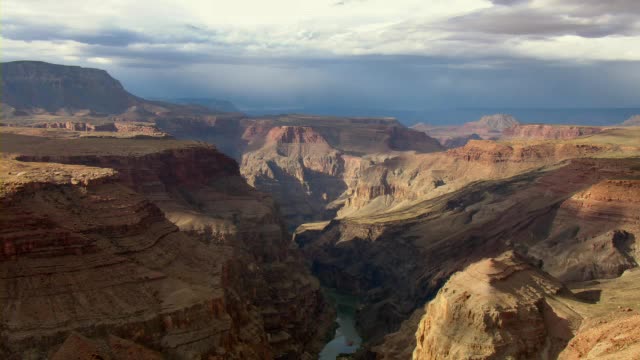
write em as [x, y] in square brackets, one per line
[528, 22]
[601, 7]
[473, 67]
[532, 23]
[18, 30]
[583, 7]
[509, 2]
[105, 36]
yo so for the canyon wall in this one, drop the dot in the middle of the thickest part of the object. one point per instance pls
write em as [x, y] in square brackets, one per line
[546, 131]
[50, 87]
[306, 162]
[170, 249]
[397, 260]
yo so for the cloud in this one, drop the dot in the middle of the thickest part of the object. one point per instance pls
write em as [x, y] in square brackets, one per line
[406, 52]
[24, 31]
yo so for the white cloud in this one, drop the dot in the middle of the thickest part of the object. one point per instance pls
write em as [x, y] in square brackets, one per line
[123, 31]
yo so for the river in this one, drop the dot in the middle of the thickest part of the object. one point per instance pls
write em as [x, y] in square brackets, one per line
[346, 339]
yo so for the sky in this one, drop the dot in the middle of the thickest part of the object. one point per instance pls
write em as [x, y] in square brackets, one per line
[345, 55]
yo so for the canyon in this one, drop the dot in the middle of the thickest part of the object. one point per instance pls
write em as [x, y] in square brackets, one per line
[154, 241]
[164, 230]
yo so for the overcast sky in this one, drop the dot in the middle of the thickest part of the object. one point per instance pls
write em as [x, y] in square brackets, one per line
[401, 54]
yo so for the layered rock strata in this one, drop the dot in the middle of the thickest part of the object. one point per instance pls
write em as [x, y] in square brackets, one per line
[170, 249]
[550, 132]
[397, 260]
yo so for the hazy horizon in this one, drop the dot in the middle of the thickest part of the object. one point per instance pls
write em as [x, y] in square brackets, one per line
[353, 54]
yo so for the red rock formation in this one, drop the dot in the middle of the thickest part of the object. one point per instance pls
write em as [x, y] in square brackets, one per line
[306, 166]
[405, 178]
[123, 128]
[204, 268]
[495, 309]
[614, 337]
[398, 257]
[550, 132]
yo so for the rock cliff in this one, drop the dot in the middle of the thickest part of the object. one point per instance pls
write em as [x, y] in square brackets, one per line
[385, 183]
[397, 259]
[308, 163]
[497, 308]
[544, 131]
[158, 242]
[50, 87]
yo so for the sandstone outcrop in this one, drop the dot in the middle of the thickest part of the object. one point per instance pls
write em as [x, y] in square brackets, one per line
[158, 242]
[123, 128]
[399, 180]
[506, 307]
[308, 166]
[498, 308]
[398, 258]
[614, 337]
[549, 132]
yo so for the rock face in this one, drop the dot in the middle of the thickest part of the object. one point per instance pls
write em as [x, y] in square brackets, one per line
[308, 164]
[495, 122]
[550, 132]
[498, 308]
[306, 175]
[123, 128]
[34, 84]
[297, 164]
[396, 259]
[586, 252]
[400, 180]
[615, 337]
[600, 318]
[507, 308]
[171, 251]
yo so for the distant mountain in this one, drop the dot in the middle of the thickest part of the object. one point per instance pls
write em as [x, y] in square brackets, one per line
[487, 127]
[495, 122]
[632, 121]
[33, 87]
[52, 88]
[209, 103]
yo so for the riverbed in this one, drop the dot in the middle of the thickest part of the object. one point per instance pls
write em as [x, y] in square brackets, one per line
[346, 339]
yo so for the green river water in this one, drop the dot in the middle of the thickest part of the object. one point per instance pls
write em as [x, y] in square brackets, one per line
[346, 339]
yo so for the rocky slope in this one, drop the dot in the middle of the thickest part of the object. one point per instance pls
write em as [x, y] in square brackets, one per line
[497, 308]
[505, 307]
[544, 131]
[305, 179]
[92, 126]
[397, 260]
[155, 241]
[306, 162]
[398, 180]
